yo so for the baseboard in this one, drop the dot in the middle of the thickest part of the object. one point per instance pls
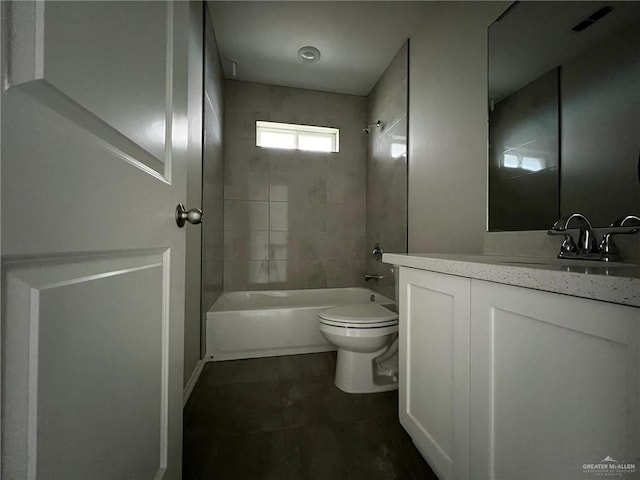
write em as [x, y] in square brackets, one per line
[243, 354]
[188, 388]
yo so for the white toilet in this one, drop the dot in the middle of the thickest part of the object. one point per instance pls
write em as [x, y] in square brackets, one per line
[366, 337]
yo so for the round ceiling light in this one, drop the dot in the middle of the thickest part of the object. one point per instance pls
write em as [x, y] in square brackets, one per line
[309, 54]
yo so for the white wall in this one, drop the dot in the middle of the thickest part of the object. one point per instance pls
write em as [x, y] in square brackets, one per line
[448, 128]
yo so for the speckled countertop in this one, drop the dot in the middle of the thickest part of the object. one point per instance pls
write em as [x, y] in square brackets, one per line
[609, 282]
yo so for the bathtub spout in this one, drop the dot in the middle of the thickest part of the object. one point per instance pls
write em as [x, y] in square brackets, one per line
[376, 277]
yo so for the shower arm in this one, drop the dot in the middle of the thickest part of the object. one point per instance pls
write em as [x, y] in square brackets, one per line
[367, 129]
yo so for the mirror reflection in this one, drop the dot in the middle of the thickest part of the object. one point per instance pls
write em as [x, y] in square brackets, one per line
[564, 113]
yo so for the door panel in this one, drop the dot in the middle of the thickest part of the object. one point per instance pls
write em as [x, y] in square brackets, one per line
[78, 365]
[554, 377]
[434, 368]
[94, 137]
[431, 362]
[67, 55]
[114, 28]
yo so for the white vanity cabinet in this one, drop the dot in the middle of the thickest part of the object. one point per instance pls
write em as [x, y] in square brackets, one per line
[554, 384]
[434, 368]
[505, 382]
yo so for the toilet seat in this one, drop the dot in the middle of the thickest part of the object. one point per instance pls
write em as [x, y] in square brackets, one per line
[361, 326]
[361, 316]
[358, 332]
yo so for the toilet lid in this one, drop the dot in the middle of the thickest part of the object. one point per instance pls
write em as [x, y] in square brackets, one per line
[364, 314]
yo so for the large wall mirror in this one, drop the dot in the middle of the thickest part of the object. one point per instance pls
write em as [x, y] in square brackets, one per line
[564, 113]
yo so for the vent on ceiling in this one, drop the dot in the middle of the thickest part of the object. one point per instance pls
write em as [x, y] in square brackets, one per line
[593, 18]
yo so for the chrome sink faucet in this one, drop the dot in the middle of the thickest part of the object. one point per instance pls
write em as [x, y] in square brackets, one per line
[587, 245]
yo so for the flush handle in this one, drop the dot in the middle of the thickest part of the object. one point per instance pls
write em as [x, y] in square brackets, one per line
[193, 216]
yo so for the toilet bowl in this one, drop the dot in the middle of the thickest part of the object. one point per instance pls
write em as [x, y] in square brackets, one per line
[365, 335]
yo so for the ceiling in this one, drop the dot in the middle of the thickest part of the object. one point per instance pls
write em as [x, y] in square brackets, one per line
[357, 40]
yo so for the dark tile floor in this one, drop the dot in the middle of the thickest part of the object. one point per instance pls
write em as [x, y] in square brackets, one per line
[282, 418]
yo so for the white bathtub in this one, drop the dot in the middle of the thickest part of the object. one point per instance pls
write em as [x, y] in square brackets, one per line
[275, 322]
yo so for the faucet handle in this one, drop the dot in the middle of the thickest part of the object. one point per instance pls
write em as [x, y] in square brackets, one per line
[377, 252]
[608, 249]
[568, 244]
[566, 233]
[629, 220]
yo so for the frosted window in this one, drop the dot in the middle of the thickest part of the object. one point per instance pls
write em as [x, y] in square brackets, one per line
[315, 143]
[277, 140]
[300, 137]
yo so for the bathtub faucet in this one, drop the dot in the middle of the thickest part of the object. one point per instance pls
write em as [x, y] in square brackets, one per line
[376, 277]
[377, 252]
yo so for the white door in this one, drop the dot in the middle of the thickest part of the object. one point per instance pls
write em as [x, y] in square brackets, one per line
[94, 135]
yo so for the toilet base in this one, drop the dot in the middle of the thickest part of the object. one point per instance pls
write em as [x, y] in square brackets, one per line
[354, 373]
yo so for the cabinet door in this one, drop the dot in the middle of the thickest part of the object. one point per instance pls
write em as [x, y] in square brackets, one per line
[434, 368]
[554, 384]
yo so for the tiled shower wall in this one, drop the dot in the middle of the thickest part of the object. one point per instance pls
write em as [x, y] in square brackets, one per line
[293, 219]
[212, 168]
[387, 169]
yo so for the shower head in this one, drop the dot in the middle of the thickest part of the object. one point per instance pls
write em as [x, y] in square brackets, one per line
[367, 129]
